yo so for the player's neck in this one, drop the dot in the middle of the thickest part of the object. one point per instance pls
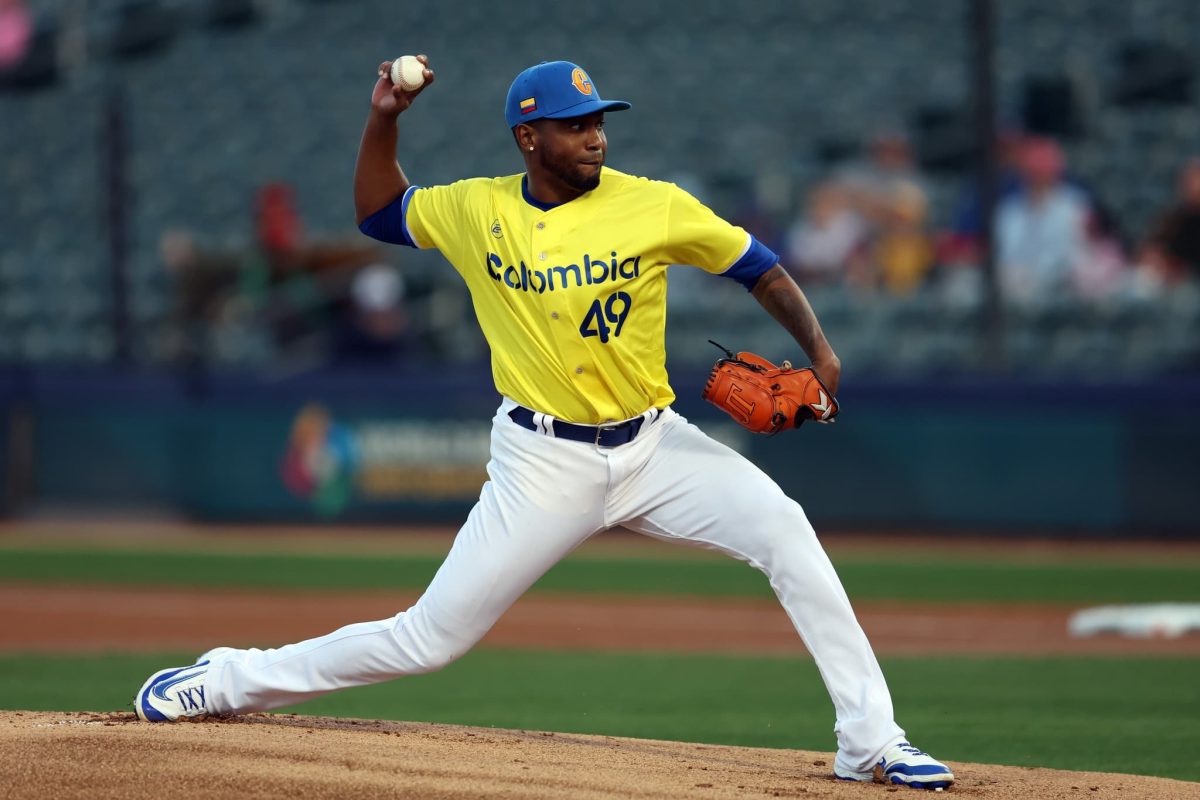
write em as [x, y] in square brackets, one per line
[549, 189]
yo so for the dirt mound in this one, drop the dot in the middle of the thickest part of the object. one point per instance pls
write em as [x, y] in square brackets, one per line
[66, 755]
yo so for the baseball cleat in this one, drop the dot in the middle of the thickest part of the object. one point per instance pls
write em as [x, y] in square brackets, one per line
[906, 765]
[172, 694]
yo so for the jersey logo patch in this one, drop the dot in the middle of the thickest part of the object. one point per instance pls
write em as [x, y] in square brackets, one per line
[497, 231]
[582, 82]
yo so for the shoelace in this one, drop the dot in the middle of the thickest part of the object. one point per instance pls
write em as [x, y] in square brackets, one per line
[908, 748]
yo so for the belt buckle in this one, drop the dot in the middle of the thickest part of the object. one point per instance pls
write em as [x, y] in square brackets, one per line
[601, 428]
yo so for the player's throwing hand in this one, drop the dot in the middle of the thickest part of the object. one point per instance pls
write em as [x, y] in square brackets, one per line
[388, 98]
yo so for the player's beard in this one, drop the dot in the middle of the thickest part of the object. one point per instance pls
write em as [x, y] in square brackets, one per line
[571, 173]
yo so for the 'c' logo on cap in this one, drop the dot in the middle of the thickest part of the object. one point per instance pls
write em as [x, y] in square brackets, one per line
[581, 81]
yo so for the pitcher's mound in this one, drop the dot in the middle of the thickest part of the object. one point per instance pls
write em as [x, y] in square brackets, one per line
[62, 755]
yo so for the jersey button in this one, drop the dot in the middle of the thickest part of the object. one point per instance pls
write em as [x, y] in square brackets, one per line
[540, 225]
[553, 315]
[579, 370]
[542, 256]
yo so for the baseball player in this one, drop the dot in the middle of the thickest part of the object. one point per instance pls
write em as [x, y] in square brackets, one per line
[566, 264]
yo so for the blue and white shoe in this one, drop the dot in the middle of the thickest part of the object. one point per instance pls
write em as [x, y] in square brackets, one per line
[904, 764]
[172, 694]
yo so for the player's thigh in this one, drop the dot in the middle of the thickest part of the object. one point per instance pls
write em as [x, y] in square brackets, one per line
[542, 500]
[697, 490]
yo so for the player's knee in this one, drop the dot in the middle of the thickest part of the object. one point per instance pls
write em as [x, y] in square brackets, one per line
[428, 645]
[788, 539]
[438, 655]
[782, 518]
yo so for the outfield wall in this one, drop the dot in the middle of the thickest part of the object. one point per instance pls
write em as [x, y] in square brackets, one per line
[1116, 459]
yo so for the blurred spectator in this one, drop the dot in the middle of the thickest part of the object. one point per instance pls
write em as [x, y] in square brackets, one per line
[286, 288]
[373, 325]
[903, 251]
[1170, 255]
[887, 178]
[867, 225]
[1102, 269]
[282, 280]
[826, 238]
[1041, 229]
[961, 245]
[16, 31]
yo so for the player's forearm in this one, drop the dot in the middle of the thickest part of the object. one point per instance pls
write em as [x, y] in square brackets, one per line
[378, 178]
[783, 299]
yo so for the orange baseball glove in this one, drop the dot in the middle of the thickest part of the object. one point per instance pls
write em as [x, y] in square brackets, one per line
[765, 398]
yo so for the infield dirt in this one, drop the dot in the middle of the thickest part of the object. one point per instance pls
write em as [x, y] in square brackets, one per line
[68, 755]
[98, 618]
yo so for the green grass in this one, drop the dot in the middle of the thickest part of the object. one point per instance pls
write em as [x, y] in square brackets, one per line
[865, 577]
[1140, 715]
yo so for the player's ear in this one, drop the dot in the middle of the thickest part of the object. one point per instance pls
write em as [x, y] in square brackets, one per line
[525, 136]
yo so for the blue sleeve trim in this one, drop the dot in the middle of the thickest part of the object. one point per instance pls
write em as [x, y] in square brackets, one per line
[388, 223]
[753, 264]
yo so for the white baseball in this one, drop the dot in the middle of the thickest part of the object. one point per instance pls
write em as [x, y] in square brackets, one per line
[408, 73]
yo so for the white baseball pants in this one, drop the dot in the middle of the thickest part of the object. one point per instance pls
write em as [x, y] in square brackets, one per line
[545, 496]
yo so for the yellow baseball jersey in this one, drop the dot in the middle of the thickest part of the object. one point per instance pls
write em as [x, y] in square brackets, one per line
[572, 298]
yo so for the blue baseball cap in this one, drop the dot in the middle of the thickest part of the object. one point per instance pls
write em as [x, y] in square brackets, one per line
[554, 90]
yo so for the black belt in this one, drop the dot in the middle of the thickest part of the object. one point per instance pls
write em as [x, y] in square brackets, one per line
[618, 433]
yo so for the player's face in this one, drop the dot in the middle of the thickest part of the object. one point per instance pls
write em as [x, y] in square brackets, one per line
[573, 149]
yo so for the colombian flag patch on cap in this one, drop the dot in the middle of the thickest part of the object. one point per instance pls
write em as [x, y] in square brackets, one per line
[528, 105]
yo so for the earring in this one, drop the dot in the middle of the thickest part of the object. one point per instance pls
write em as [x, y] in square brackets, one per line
[531, 148]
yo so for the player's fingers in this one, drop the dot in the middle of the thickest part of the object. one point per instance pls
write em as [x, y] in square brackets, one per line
[412, 93]
[385, 69]
[427, 72]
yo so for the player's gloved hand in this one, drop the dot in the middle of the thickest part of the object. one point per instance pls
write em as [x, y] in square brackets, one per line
[389, 99]
[765, 398]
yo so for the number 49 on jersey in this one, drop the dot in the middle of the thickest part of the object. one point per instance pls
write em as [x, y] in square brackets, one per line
[609, 318]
